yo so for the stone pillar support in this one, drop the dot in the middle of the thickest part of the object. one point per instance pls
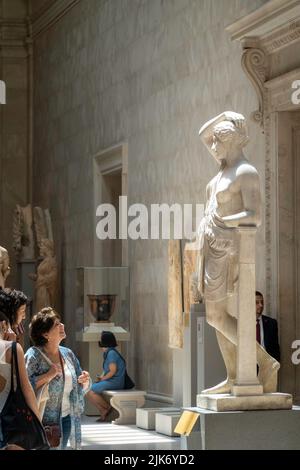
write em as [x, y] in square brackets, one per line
[246, 373]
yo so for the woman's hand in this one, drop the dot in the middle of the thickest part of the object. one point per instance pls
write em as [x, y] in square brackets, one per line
[84, 378]
[55, 370]
[10, 335]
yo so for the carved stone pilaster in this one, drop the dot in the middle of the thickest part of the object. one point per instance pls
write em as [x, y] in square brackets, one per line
[255, 65]
[268, 212]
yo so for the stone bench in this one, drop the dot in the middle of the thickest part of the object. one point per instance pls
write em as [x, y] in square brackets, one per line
[125, 402]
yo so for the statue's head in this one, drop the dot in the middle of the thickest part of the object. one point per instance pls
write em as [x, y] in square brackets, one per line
[223, 133]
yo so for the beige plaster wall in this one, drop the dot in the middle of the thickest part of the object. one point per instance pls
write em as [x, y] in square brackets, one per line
[150, 73]
[14, 163]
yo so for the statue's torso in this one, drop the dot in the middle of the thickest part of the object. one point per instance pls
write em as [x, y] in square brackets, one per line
[225, 190]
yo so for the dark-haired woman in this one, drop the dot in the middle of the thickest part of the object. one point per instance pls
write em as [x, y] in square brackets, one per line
[49, 363]
[13, 304]
[5, 374]
[114, 369]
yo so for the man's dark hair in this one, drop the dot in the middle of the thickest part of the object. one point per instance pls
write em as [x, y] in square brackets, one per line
[41, 323]
[259, 293]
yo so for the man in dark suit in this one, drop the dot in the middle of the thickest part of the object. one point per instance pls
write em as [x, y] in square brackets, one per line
[266, 329]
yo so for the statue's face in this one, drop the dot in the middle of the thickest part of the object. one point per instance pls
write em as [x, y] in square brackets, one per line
[218, 149]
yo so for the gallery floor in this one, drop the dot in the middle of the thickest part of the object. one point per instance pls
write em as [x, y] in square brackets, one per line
[107, 436]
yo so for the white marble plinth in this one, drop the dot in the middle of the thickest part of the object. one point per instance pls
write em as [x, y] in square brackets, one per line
[226, 402]
[165, 423]
[94, 330]
[145, 417]
[244, 430]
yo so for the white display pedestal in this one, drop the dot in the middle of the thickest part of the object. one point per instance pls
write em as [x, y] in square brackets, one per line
[244, 430]
[92, 356]
[203, 363]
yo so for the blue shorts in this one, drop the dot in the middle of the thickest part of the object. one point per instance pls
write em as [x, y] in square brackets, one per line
[99, 387]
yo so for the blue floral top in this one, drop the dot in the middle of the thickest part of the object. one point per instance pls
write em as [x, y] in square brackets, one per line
[37, 365]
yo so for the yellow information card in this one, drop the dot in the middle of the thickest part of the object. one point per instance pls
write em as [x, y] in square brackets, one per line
[186, 423]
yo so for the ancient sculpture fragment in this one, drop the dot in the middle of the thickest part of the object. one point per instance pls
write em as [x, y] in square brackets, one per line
[42, 226]
[45, 277]
[22, 233]
[4, 266]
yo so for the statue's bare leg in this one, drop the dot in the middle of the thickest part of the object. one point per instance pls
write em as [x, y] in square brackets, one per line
[218, 317]
[228, 350]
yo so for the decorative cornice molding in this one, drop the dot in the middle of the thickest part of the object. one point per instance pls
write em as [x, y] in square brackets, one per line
[273, 26]
[111, 159]
[50, 15]
[282, 37]
[265, 19]
[254, 63]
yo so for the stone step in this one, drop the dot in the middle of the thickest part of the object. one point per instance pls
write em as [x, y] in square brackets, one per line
[145, 417]
[165, 423]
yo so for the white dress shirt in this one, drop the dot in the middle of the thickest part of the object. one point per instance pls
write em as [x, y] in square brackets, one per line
[261, 332]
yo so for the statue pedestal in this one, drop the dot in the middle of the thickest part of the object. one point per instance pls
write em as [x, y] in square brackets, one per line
[246, 382]
[202, 362]
[245, 430]
[226, 402]
[91, 356]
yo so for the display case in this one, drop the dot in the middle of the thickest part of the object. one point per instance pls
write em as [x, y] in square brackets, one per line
[102, 298]
[102, 305]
